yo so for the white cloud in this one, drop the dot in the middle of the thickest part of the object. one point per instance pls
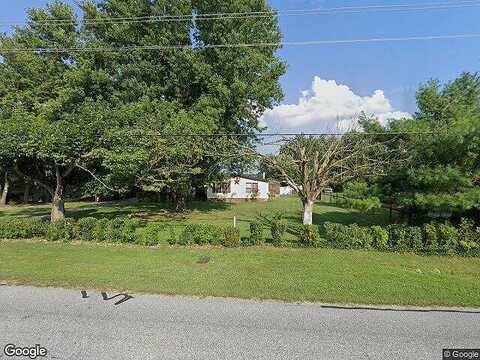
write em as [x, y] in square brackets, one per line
[329, 106]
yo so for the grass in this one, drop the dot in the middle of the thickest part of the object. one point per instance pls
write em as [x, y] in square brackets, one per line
[316, 275]
[218, 213]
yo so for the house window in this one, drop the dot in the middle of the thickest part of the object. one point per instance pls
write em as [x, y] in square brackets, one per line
[221, 188]
[252, 188]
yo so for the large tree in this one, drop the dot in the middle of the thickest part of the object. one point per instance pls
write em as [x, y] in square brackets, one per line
[310, 164]
[63, 106]
[443, 141]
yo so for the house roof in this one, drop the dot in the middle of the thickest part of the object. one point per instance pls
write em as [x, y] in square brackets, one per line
[251, 177]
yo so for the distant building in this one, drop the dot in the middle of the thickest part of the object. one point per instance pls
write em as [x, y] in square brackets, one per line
[240, 188]
[280, 188]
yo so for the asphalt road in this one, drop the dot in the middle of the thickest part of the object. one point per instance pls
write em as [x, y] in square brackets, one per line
[70, 326]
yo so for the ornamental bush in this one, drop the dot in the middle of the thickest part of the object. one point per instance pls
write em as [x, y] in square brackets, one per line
[337, 235]
[11, 228]
[231, 237]
[430, 238]
[310, 237]
[379, 237]
[278, 230]
[86, 229]
[201, 234]
[172, 235]
[448, 238]
[257, 234]
[62, 230]
[150, 235]
[101, 230]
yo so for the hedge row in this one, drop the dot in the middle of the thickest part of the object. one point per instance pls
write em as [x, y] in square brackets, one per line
[434, 238]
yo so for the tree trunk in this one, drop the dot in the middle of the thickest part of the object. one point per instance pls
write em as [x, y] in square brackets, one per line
[180, 200]
[308, 212]
[6, 186]
[26, 193]
[58, 202]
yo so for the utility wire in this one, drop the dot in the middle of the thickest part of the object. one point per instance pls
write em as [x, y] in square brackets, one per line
[180, 135]
[258, 14]
[237, 45]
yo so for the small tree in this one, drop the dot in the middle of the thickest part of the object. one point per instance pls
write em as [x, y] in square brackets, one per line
[310, 164]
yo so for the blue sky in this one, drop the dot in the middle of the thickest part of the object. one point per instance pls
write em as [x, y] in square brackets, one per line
[394, 68]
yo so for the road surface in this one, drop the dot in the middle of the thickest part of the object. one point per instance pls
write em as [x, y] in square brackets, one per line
[75, 325]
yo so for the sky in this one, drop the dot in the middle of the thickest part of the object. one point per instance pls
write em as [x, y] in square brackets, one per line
[328, 84]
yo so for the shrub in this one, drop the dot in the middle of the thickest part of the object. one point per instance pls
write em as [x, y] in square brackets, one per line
[278, 230]
[201, 234]
[448, 238]
[11, 228]
[257, 234]
[469, 240]
[415, 238]
[310, 237]
[360, 237]
[231, 237]
[397, 237]
[86, 229]
[128, 230]
[430, 238]
[404, 238]
[172, 235]
[63, 230]
[337, 235]
[379, 237]
[100, 230]
[150, 234]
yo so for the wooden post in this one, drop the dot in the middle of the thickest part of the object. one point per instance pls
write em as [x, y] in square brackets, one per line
[234, 221]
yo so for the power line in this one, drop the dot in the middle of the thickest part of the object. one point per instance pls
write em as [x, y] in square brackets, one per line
[259, 14]
[238, 45]
[260, 135]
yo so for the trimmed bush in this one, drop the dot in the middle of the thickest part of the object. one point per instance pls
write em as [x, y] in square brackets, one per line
[232, 237]
[86, 229]
[257, 234]
[62, 230]
[172, 235]
[310, 237]
[101, 230]
[201, 234]
[448, 238]
[379, 237]
[128, 232]
[278, 230]
[11, 228]
[430, 238]
[337, 235]
[150, 234]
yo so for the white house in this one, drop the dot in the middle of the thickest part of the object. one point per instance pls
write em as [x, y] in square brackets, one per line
[241, 188]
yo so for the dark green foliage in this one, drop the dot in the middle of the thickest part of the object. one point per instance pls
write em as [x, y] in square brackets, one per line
[469, 238]
[337, 235]
[447, 238]
[86, 229]
[310, 237]
[379, 237]
[404, 238]
[430, 238]
[11, 228]
[257, 234]
[201, 234]
[232, 237]
[61, 230]
[278, 229]
[348, 237]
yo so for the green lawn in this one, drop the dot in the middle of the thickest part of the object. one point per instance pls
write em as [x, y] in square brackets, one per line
[218, 213]
[319, 275]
